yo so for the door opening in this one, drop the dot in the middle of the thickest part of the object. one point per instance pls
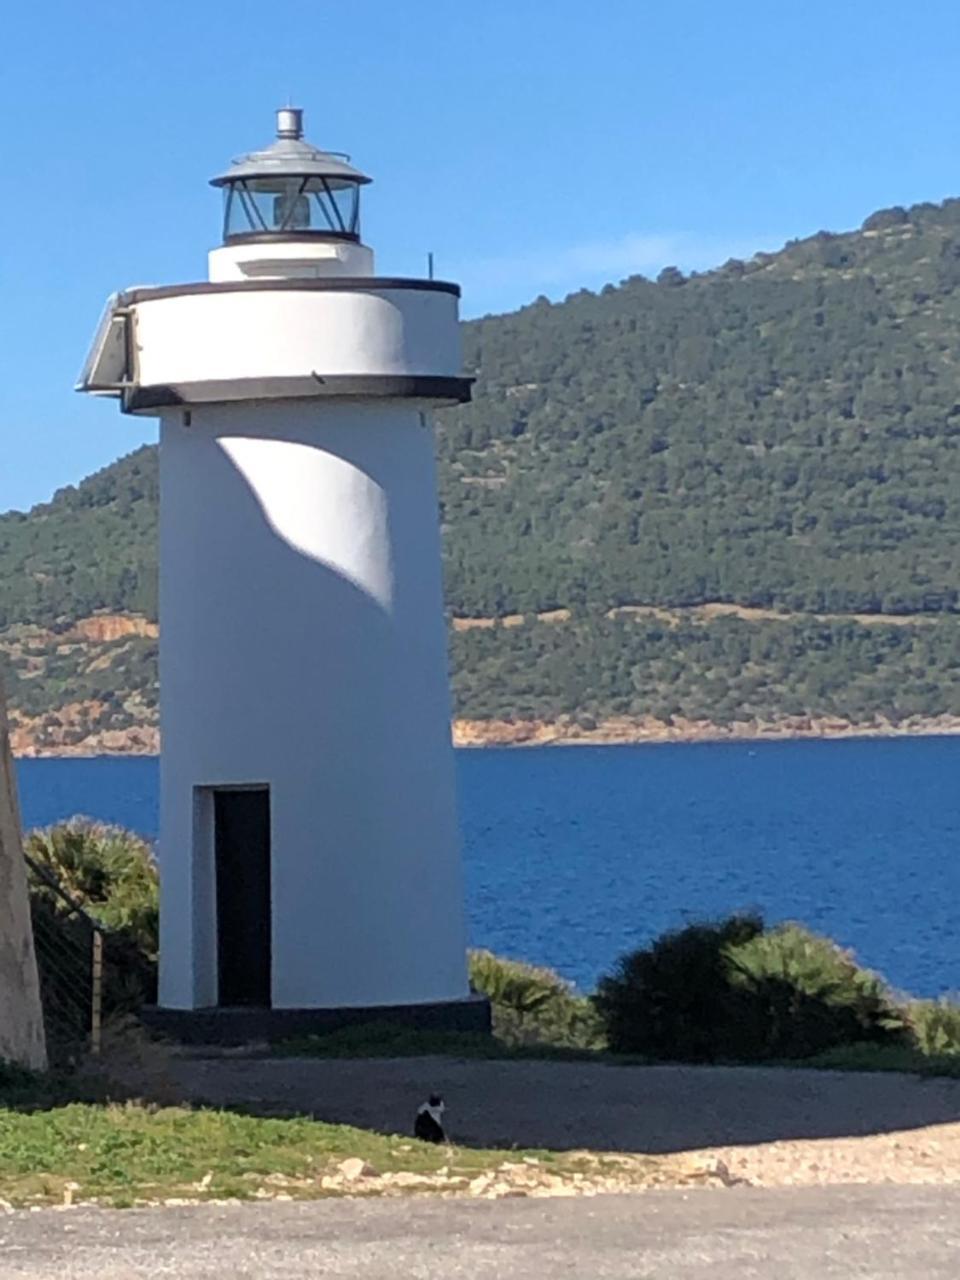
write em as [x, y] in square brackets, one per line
[242, 843]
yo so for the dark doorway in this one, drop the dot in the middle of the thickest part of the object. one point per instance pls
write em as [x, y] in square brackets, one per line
[242, 842]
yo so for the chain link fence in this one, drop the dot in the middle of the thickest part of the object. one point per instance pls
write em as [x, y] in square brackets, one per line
[69, 946]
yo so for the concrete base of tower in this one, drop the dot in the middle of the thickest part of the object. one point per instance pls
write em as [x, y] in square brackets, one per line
[248, 1025]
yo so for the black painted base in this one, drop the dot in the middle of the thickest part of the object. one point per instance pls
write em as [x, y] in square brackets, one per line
[251, 1025]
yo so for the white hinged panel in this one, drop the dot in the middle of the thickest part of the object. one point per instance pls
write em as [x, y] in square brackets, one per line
[107, 367]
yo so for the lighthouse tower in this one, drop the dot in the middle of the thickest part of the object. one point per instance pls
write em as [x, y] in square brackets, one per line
[309, 853]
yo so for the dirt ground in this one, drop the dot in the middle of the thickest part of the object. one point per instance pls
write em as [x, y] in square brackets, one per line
[769, 1127]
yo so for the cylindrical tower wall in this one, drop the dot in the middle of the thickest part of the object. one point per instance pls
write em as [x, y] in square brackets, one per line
[303, 648]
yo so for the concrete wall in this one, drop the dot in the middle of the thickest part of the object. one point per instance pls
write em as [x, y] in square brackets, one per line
[298, 259]
[238, 336]
[21, 1019]
[303, 646]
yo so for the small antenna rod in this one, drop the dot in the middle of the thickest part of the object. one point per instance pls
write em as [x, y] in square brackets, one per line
[430, 266]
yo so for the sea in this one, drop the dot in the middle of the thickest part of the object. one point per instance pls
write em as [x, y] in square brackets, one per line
[575, 855]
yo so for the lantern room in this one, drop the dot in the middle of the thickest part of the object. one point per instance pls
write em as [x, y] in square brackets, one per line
[291, 190]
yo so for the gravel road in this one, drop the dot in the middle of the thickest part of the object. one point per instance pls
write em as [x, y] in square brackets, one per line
[771, 1127]
[872, 1233]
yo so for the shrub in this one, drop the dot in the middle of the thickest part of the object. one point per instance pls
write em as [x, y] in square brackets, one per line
[109, 871]
[935, 1026]
[735, 991]
[674, 999]
[806, 995]
[533, 1005]
[15, 1078]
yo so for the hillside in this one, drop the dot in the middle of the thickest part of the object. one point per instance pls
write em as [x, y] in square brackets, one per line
[779, 435]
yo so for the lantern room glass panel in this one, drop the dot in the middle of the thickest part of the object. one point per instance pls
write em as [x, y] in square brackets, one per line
[291, 206]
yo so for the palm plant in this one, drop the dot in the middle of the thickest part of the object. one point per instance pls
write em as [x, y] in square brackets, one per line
[935, 1025]
[533, 1005]
[107, 870]
[810, 995]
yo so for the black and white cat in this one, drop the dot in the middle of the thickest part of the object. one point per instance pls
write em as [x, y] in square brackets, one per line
[428, 1126]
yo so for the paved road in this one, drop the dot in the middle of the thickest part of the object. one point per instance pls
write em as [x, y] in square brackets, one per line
[872, 1233]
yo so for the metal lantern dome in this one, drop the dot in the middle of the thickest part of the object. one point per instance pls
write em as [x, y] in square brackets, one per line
[291, 189]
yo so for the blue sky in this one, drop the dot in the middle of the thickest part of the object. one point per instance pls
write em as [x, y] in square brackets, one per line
[536, 146]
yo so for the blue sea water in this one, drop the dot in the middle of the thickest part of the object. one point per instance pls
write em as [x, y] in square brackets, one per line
[575, 854]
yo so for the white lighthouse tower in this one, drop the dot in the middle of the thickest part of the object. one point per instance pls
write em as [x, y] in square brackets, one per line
[309, 850]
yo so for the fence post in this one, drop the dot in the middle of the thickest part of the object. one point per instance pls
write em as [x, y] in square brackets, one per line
[96, 1004]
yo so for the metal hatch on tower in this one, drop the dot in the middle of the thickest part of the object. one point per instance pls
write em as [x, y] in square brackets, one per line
[106, 370]
[290, 190]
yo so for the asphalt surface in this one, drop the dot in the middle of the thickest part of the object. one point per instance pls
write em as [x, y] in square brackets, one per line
[872, 1233]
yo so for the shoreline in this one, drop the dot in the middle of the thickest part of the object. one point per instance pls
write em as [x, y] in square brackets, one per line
[643, 731]
[144, 742]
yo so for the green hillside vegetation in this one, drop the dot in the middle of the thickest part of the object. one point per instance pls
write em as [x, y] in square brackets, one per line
[781, 433]
[722, 671]
[93, 547]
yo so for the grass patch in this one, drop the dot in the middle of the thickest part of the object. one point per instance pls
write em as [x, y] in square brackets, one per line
[25, 1090]
[872, 1057]
[121, 1155]
[386, 1040]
